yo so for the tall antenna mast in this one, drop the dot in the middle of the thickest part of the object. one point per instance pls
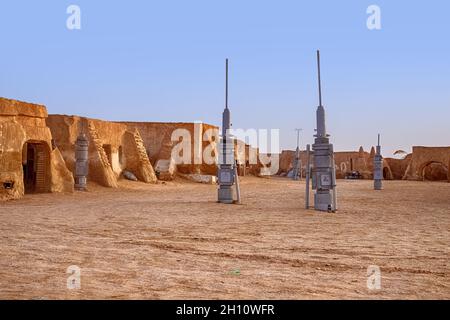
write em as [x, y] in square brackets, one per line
[324, 171]
[226, 84]
[297, 170]
[227, 171]
[318, 73]
[378, 168]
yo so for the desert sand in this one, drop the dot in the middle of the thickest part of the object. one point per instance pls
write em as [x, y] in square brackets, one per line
[173, 241]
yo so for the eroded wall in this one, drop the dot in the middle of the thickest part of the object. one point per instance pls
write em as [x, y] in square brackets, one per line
[22, 122]
[160, 138]
[112, 148]
[424, 156]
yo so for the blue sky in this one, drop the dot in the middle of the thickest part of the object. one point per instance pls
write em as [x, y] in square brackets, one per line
[164, 61]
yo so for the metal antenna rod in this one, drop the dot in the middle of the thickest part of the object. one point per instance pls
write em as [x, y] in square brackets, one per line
[378, 139]
[226, 84]
[298, 137]
[318, 73]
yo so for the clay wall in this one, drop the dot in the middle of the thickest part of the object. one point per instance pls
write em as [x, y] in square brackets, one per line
[112, 148]
[23, 124]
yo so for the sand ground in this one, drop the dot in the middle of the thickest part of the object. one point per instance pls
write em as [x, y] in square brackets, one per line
[173, 241]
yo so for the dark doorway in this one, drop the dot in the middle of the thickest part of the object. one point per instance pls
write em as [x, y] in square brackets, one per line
[121, 155]
[35, 167]
[435, 171]
[108, 151]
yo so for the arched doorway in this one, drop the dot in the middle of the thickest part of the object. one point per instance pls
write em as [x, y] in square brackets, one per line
[434, 171]
[36, 167]
[387, 174]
